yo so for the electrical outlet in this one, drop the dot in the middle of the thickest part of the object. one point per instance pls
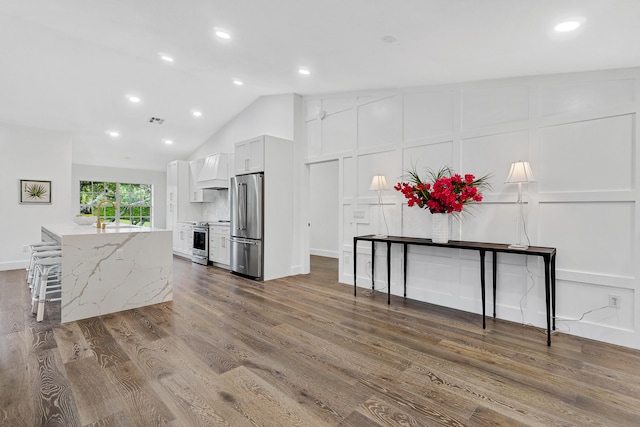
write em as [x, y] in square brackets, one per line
[25, 248]
[120, 254]
[614, 301]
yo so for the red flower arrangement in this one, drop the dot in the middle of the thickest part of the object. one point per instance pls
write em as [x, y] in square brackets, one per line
[448, 192]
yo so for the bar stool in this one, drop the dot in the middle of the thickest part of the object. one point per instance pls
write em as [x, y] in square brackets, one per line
[41, 246]
[37, 256]
[43, 243]
[38, 253]
[47, 281]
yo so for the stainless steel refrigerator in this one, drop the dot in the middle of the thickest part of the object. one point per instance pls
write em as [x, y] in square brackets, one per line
[247, 223]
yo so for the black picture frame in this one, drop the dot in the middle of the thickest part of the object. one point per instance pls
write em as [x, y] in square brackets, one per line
[35, 192]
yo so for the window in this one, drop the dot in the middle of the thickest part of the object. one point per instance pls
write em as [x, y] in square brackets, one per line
[132, 201]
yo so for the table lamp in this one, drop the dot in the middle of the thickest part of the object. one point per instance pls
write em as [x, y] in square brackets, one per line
[520, 173]
[379, 183]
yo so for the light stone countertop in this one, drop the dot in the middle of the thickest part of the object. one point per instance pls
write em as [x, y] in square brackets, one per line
[72, 229]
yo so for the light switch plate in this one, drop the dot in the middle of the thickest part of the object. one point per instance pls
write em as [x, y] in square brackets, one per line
[360, 214]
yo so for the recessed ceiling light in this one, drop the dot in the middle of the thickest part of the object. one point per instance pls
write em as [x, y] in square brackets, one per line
[566, 26]
[197, 113]
[304, 71]
[237, 82]
[112, 133]
[223, 34]
[133, 99]
[389, 39]
[165, 57]
[168, 141]
[569, 24]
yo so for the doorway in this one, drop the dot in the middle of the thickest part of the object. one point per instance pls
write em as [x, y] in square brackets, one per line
[324, 232]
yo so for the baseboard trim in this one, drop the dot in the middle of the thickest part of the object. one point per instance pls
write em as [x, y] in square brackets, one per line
[324, 253]
[14, 265]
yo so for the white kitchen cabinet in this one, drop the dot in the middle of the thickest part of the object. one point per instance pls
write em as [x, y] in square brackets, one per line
[198, 195]
[183, 239]
[178, 206]
[219, 245]
[249, 156]
[172, 184]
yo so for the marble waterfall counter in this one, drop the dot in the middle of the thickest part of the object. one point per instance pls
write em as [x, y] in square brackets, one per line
[110, 270]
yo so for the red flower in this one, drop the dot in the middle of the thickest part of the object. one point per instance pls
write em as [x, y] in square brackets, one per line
[447, 193]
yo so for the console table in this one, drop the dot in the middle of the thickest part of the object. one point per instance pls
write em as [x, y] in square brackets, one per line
[547, 254]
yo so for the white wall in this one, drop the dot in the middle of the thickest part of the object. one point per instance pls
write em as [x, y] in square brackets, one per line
[29, 153]
[158, 180]
[324, 183]
[268, 115]
[579, 131]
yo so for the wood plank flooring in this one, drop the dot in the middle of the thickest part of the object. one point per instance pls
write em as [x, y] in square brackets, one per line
[300, 351]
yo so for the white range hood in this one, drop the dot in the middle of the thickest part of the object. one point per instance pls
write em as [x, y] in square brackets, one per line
[212, 171]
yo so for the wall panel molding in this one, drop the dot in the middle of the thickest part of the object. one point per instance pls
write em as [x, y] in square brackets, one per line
[578, 131]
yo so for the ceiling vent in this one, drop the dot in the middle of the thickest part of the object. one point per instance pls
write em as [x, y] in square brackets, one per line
[156, 120]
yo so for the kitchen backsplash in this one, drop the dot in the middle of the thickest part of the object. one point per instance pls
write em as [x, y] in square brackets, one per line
[218, 209]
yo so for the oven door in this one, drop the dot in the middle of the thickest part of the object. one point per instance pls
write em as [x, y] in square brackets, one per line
[200, 249]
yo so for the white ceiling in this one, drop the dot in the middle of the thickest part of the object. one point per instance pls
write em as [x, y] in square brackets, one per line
[68, 64]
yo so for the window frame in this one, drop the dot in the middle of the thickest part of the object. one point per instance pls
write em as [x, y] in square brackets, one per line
[145, 215]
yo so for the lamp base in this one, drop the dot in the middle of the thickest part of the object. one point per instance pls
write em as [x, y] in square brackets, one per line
[518, 246]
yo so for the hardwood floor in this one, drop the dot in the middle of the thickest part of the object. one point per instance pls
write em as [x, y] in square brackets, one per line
[299, 351]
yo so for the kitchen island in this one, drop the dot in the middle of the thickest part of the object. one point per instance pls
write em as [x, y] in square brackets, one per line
[110, 270]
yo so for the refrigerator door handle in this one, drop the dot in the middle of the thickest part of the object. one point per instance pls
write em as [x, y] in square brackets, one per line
[243, 241]
[242, 206]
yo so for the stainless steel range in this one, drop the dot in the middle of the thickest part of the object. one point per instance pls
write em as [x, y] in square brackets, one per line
[200, 249]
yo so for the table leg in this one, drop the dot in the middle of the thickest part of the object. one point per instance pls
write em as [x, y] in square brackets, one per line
[389, 273]
[355, 258]
[482, 285]
[553, 291]
[547, 292]
[495, 277]
[405, 270]
[373, 265]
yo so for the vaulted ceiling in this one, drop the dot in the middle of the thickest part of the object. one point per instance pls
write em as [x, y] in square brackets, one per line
[69, 65]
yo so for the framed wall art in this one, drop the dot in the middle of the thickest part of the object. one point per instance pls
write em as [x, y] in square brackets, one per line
[35, 192]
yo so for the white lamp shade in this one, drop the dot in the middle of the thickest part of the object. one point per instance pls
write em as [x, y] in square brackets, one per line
[520, 172]
[378, 182]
